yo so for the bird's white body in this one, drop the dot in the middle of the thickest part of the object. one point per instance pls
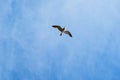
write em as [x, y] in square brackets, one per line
[62, 31]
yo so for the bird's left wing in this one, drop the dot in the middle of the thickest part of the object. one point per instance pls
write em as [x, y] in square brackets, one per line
[67, 32]
[58, 27]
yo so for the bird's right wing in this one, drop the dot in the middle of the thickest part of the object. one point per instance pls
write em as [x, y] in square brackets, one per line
[67, 32]
[58, 27]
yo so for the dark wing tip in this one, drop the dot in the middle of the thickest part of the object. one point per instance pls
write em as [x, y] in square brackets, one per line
[56, 26]
[70, 35]
[53, 26]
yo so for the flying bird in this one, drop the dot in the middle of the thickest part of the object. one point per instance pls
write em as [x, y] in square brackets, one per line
[62, 30]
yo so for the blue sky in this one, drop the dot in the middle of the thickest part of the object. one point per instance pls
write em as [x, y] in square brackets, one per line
[30, 49]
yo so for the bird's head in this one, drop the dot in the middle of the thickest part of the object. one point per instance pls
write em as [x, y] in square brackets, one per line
[64, 28]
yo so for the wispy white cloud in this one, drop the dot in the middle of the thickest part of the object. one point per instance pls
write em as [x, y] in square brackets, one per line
[31, 46]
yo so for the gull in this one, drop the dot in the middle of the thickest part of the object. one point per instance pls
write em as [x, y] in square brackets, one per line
[62, 30]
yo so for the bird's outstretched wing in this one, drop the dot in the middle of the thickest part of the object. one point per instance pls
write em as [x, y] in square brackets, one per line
[58, 27]
[67, 32]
